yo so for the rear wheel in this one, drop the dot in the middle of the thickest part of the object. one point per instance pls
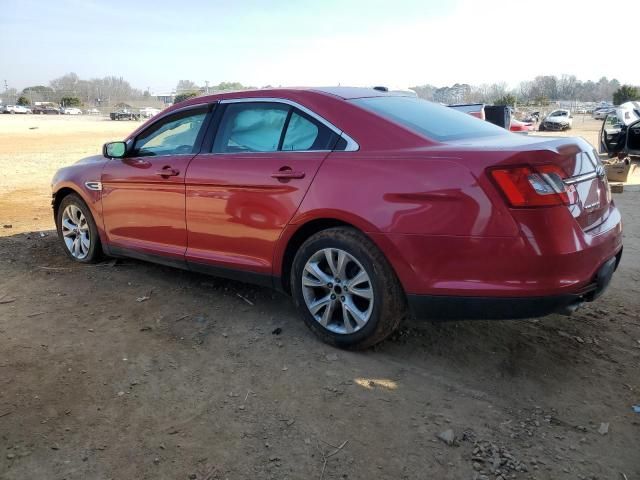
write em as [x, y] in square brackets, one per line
[77, 230]
[346, 290]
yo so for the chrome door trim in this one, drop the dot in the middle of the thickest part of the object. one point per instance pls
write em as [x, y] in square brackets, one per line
[352, 145]
[581, 178]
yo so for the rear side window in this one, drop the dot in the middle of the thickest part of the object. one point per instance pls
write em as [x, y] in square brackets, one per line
[174, 135]
[434, 121]
[301, 133]
[305, 133]
[269, 127]
[251, 127]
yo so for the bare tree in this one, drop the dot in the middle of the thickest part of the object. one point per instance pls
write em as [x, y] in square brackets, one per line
[186, 86]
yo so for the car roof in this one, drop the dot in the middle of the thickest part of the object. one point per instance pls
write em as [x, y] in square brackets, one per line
[344, 93]
[349, 93]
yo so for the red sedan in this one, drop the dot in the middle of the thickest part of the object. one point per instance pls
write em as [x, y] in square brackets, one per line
[518, 126]
[364, 205]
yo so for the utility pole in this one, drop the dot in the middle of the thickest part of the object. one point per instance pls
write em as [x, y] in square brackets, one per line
[206, 82]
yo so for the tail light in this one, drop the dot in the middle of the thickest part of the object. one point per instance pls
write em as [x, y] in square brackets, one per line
[527, 186]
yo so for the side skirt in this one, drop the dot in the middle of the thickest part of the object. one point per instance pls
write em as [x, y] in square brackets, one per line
[245, 276]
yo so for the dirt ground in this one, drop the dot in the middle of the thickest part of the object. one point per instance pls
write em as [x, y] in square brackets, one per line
[212, 379]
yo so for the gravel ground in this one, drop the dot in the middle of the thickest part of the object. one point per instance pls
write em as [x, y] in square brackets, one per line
[132, 370]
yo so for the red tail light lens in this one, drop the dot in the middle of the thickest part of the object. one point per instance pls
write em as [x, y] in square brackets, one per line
[526, 186]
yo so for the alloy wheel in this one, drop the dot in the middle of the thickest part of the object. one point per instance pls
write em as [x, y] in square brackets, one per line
[75, 232]
[337, 291]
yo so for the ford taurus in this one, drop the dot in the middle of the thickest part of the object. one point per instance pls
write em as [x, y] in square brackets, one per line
[364, 205]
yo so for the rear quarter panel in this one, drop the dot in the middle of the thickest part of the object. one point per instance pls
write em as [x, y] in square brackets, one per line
[407, 192]
[391, 194]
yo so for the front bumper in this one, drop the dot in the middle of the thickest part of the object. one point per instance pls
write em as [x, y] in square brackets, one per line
[438, 307]
[555, 126]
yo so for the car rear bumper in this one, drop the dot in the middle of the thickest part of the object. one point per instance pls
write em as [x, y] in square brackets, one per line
[440, 307]
[551, 257]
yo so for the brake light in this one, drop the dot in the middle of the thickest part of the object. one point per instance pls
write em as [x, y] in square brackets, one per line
[526, 186]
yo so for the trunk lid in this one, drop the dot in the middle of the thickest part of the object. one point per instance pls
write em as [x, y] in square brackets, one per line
[588, 188]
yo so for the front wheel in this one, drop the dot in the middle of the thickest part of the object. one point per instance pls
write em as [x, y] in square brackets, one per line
[346, 290]
[77, 230]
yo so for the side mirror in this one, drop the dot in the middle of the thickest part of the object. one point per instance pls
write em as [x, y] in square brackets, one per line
[114, 149]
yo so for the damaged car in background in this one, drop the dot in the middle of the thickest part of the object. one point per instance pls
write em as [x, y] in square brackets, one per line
[557, 120]
[620, 131]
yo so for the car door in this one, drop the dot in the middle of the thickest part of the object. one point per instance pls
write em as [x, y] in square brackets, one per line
[633, 139]
[241, 195]
[143, 194]
[612, 135]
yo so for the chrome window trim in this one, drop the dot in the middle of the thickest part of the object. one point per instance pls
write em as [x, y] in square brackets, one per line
[352, 145]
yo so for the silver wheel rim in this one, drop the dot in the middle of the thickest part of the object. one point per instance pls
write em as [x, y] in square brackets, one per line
[337, 291]
[75, 232]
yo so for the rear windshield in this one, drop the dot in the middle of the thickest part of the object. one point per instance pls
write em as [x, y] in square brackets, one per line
[434, 121]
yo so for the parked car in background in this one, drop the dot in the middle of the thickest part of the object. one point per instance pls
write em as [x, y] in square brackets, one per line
[557, 120]
[620, 131]
[124, 114]
[71, 111]
[519, 126]
[363, 205]
[93, 111]
[16, 109]
[148, 112]
[601, 113]
[46, 110]
[499, 115]
[473, 109]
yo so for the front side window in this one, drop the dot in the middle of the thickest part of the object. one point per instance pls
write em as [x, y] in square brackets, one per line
[612, 121]
[175, 135]
[434, 121]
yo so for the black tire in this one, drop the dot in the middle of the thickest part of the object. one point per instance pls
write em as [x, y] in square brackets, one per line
[94, 253]
[389, 305]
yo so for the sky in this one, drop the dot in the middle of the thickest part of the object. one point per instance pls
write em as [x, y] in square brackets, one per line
[399, 43]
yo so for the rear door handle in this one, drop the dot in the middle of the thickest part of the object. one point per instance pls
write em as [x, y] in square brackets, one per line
[287, 174]
[168, 172]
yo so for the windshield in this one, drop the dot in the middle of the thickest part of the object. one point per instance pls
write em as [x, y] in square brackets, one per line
[434, 121]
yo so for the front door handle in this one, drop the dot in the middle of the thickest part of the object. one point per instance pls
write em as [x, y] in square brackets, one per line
[287, 174]
[168, 172]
